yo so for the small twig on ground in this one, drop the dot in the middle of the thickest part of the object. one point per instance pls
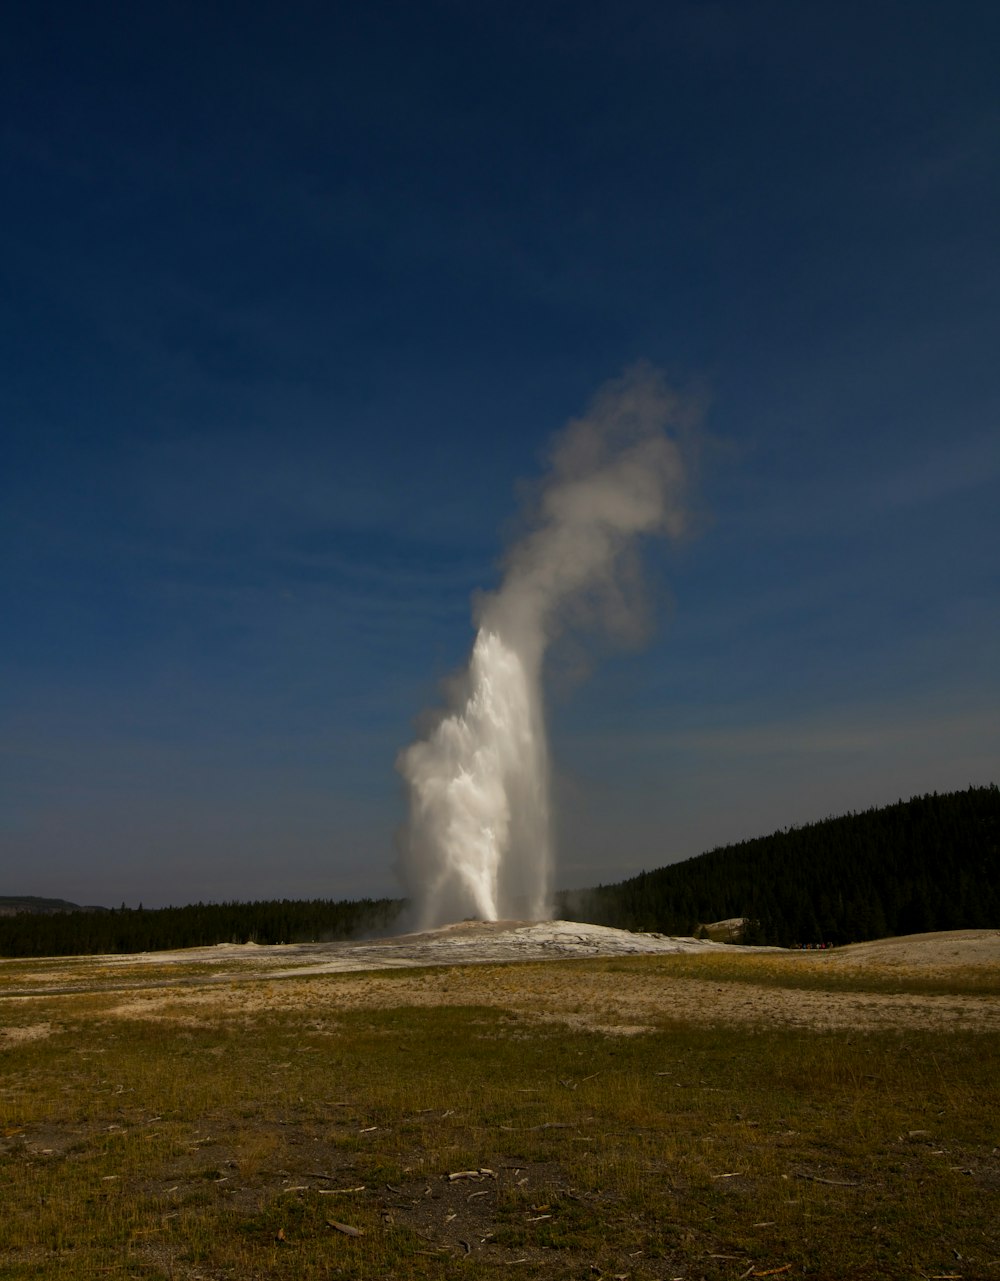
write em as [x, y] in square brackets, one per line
[836, 1183]
[547, 1125]
[346, 1228]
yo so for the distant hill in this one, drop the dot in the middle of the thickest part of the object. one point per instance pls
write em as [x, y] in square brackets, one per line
[930, 863]
[12, 905]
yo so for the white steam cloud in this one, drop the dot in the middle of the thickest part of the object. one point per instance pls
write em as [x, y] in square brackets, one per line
[478, 842]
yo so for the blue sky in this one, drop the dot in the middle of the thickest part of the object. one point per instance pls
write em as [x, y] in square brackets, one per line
[293, 298]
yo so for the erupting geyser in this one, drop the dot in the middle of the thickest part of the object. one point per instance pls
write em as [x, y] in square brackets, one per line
[478, 842]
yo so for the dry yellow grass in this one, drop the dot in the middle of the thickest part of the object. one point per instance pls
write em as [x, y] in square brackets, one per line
[720, 1115]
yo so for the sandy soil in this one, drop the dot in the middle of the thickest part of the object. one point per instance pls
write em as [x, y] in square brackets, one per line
[470, 964]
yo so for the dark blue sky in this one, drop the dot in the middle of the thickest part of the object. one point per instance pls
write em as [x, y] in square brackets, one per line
[293, 297]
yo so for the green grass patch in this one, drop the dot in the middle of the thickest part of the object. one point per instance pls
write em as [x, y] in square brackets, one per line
[807, 971]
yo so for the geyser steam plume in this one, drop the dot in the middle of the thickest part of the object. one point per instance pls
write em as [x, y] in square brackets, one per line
[478, 842]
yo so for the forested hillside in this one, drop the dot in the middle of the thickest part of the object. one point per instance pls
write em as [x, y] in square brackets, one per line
[199, 925]
[931, 863]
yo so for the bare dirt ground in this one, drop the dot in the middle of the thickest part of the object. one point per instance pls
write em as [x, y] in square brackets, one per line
[470, 964]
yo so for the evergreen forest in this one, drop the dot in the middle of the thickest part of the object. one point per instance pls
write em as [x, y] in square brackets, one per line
[930, 863]
[126, 929]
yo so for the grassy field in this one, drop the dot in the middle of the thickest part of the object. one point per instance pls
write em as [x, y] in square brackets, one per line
[313, 1141]
[823, 972]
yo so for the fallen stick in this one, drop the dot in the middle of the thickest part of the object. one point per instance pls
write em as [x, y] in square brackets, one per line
[547, 1125]
[346, 1228]
[835, 1183]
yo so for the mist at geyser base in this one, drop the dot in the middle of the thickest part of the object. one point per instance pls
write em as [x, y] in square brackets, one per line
[478, 842]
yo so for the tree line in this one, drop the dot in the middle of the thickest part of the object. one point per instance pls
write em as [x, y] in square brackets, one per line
[930, 863]
[125, 929]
